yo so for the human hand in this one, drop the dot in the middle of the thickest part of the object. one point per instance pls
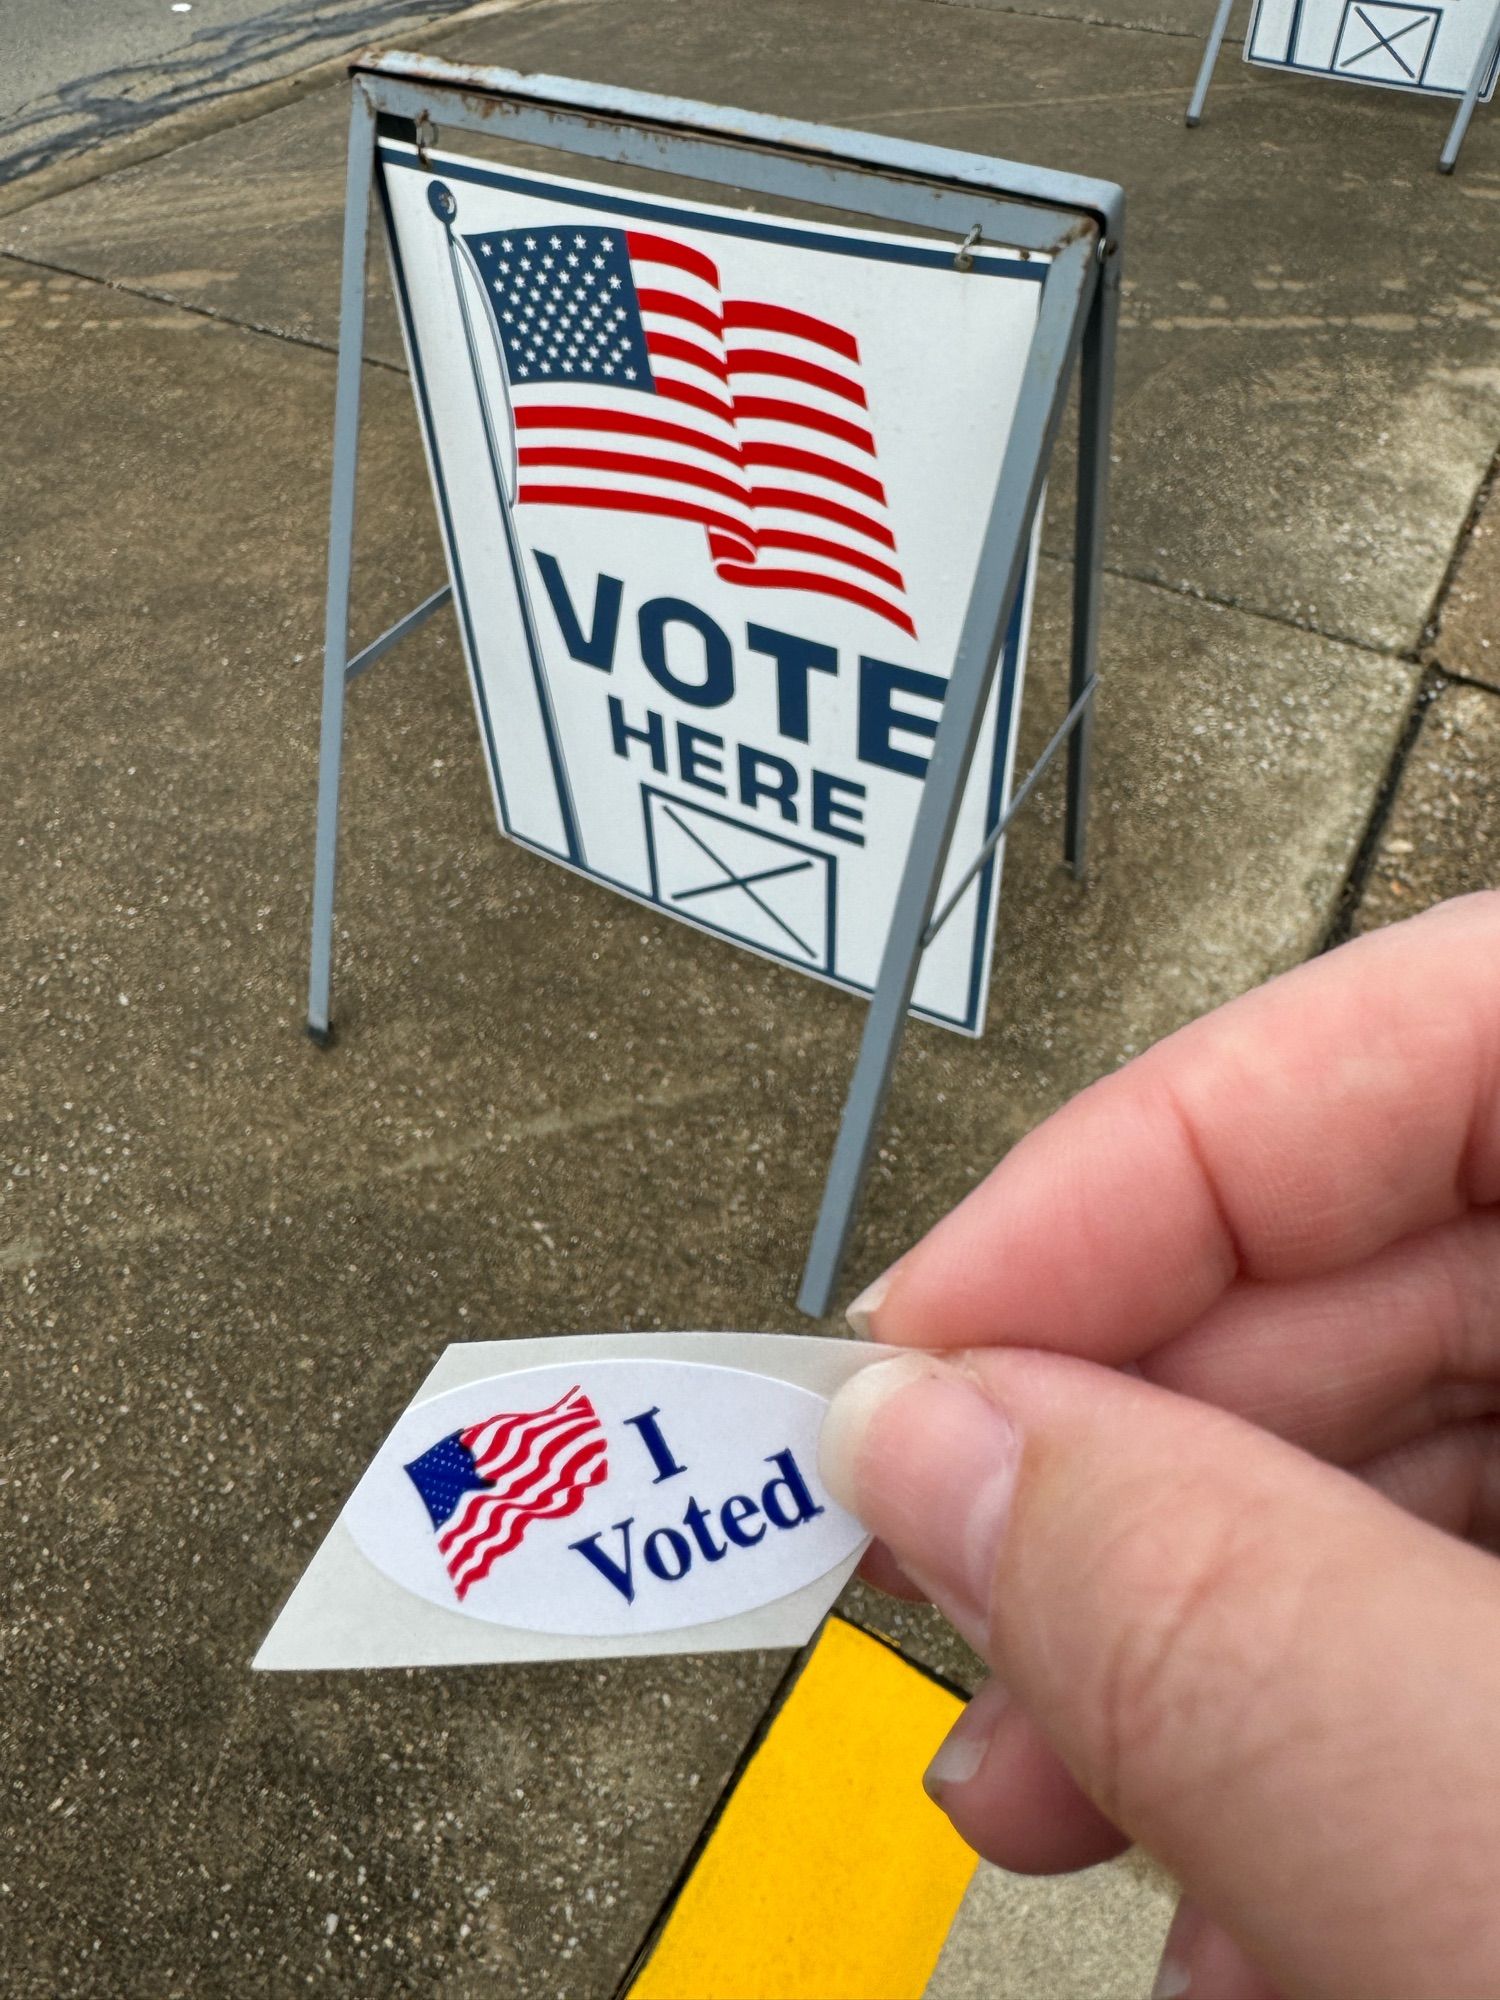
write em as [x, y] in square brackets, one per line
[1232, 1597]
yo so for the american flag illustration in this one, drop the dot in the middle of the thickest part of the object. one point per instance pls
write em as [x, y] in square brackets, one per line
[484, 1486]
[637, 386]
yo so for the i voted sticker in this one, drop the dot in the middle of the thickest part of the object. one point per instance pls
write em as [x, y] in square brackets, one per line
[629, 1496]
[598, 1500]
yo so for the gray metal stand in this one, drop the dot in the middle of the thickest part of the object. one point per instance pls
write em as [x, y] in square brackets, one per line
[1076, 224]
[1210, 56]
[340, 553]
[1447, 159]
[1074, 300]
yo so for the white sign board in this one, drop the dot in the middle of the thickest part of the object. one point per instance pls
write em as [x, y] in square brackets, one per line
[1404, 47]
[713, 487]
[587, 1496]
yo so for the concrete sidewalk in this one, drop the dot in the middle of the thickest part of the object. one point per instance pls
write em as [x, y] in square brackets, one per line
[226, 1259]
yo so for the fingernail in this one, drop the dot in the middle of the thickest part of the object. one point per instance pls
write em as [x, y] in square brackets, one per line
[851, 1412]
[929, 1464]
[1174, 1976]
[867, 1304]
[967, 1743]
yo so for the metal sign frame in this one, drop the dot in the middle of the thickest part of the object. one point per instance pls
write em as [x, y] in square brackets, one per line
[1447, 159]
[1078, 224]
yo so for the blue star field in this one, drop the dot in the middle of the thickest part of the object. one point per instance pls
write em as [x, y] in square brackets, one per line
[444, 1475]
[565, 306]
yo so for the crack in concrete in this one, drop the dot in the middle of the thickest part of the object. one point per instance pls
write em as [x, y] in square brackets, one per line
[1483, 493]
[890, 114]
[1197, 594]
[1412, 655]
[10, 254]
[1085, 21]
[1435, 678]
[1346, 909]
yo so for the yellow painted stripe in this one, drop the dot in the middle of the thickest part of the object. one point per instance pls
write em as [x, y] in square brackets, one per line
[830, 1876]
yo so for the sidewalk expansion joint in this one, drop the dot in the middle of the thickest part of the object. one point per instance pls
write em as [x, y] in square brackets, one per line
[1288, 621]
[1455, 677]
[9, 253]
[1410, 655]
[1341, 925]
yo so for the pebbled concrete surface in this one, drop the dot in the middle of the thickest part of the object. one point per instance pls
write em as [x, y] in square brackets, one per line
[225, 1258]
[1096, 1935]
[1467, 640]
[1443, 835]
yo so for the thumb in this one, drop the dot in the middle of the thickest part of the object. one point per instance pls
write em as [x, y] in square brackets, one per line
[1278, 1682]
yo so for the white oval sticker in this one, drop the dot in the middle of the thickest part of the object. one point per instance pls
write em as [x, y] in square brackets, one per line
[605, 1497]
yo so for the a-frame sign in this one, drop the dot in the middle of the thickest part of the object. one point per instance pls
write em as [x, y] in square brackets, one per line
[740, 514]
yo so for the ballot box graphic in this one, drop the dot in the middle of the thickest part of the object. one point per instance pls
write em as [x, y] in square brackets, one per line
[1380, 42]
[1432, 49]
[713, 487]
[755, 886]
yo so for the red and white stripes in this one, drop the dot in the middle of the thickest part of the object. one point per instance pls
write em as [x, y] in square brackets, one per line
[539, 1463]
[755, 425]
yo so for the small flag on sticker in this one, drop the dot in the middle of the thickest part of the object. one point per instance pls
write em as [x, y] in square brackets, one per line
[486, 1484]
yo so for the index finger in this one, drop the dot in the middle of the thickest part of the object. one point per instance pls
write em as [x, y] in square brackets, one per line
[1293, 1132]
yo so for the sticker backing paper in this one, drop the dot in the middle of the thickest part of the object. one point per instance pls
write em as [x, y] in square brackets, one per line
[583, 1496]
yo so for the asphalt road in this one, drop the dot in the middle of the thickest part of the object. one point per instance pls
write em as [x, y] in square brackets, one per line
[74, 75]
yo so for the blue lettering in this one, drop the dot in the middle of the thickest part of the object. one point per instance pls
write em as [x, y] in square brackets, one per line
[738, 1509]
[656, 1562]
[786, 1501]
[617, 1575]
[795, 659]
[779, 784]
[795, 1486]
[826, 803]
[717, 684]
[693, 758]
[598, 648]
[653, 735]
[696, 1519]
[666, 1465]
[879, 681]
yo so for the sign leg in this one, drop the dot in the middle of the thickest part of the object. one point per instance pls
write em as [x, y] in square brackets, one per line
[1066, 297]
[1210, 57]
[340, 555]
[1448, 159]
[1096, 399]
